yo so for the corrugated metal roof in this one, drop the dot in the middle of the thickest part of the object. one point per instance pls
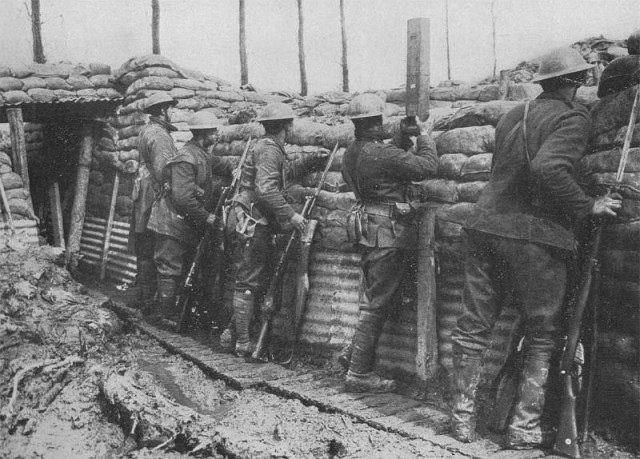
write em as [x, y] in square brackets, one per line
[69, 100]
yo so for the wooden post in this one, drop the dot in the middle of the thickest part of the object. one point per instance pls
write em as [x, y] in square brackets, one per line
[80, 199]
[301, 57]
[418, 68]
[107, 232]
[345, 63]
[503, 85]
[56, 215]
[427, 333]
[446, 17]
[244, 69]
[19, 148]
[155, 26]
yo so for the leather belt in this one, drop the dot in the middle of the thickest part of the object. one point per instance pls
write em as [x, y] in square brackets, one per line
[379, 208]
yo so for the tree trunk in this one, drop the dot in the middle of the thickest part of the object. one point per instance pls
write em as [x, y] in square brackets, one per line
[493, 29]
[244, 70]
[345, 65]
[447, 35]
[36, 29]
[155, 26]
[303, 70]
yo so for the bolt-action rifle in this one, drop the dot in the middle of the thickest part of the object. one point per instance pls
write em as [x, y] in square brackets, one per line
[567, 437]
[183, 300]
[271, 302]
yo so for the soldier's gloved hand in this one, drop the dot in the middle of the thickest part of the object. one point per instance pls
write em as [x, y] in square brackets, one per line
[298, 222]
[607, 205]
[212, 221]
[409, 127]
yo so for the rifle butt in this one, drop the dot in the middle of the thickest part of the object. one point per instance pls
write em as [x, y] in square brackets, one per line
[262, 340]
[566, 442]
[182, 303]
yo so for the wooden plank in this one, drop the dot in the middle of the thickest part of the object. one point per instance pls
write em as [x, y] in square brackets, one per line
[19, 148]
[107, 231]
[418, 68]
[55, 207]
[426, 329]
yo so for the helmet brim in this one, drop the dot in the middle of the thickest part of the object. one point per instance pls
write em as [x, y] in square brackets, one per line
[367, 115]
[548, 76]
[260, 120]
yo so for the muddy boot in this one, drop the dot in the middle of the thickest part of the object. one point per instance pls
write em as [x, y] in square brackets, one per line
[368, 382]
[242, 313]
[166, 305]
[147, 286]
[526, 430]
[466, 376]
[228, 337]
[345, 357]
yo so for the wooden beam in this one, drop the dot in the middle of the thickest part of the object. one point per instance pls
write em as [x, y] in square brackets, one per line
[80, 199]
[107, 232]
[418, 68]
[55, 208]
[19, 148]
[427, 333]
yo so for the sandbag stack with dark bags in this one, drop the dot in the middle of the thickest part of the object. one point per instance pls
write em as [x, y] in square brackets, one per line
[618, 364]
[17, 195]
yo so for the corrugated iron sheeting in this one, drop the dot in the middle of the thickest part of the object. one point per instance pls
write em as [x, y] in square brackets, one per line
[121, 264]
[26, 231]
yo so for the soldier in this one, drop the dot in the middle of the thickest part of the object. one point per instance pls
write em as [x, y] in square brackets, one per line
[179, 217]
[260, 211]
[156, 147]
[384, 224]
[521, 239]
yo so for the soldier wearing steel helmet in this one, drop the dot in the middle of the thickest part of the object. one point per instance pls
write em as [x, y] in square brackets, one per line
[383, 224]
[183, 209]
[521, 239]
[262, 209]
[156, 147]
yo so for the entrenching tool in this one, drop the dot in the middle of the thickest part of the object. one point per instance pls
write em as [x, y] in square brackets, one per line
[271, 304]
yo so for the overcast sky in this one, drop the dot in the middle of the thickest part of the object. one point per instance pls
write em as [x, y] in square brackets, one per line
[203, 34]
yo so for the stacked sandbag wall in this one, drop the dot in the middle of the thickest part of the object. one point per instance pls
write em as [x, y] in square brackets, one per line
[618, 360]
[17, 195]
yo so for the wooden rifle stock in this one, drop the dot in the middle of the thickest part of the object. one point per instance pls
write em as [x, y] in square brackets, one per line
[183, 299]
[270, 303]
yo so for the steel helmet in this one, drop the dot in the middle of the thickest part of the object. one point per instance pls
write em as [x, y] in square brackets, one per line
[620, 74]
[561, 61]
[203, 120]
[365, 106]
[276, 111]
[633, 43]
[159, 98]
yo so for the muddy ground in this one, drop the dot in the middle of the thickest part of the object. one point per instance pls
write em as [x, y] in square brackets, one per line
[76, 381]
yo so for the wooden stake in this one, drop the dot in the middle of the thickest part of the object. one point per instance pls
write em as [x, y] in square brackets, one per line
[503, 86]
[418, 68]
[427, 334]
[80, 199]
[107, 232]
[56, 215]
[19, 148]
[446, 5]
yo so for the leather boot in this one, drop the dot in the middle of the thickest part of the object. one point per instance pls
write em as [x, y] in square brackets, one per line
[148, 285]
[242, 313]
[167, 299]
[526, 430]
[360, 377]
[229, 337]
[465, 376]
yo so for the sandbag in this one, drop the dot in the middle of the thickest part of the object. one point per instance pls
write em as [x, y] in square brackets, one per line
[127, 144]
[523, 91]
[64, 94]
[469, 141]
[450, 165]
[17, 193]
[452, 93]
[489, 92]
[621, 264]
[42, 95]
[101, 81]
[195, 104]
[129, 120]
[5, 169]
[58, 83]
[439, 190]
[470, 191]
[622, 132]
[254, 97]
[241, 132]
[226, 96]
[608, 161]
[329, 200]
[5, 71]
[106, 143]
[10, 84]
[21, 207]
[192, 84]
[17, 97]
[612, 111]
[342, 134]
[603, 141]
[144, 62]
[130, 167]
[61, 71]
[97, 68]
[87, 93]
[130, 131]
[328, 109]
[306, 132]
[152, 82]
[125, 156]
[480, 114]
[22, 71]
[5, 158]
[181, 93]
[79, 82]
[334, 181]
[478, 167]
[32, 83]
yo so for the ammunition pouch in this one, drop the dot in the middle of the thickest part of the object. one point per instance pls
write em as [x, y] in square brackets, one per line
[246, 225]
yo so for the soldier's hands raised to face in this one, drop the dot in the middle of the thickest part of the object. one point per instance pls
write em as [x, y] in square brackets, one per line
[298, 222]
[607, 205]
[409, 126]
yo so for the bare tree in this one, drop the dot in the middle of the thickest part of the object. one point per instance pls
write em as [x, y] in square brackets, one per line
[446, 5]
[301, 58]
[244, 70]
[345, 66]
[493, 29]
[36, 30]
[155, 26]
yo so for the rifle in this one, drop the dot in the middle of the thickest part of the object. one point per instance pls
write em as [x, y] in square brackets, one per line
[183, 300]
[567, 436]
[270, 305]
